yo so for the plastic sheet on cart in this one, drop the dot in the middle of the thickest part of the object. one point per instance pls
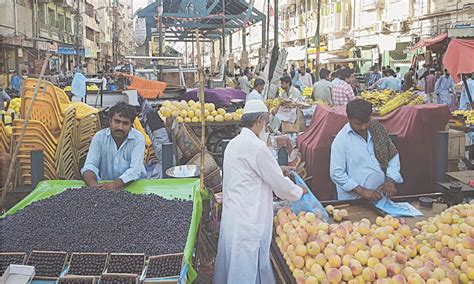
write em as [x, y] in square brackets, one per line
[186, 188]
[397, 209]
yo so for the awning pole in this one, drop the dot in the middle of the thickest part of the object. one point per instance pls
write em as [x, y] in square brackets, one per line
[203, 118]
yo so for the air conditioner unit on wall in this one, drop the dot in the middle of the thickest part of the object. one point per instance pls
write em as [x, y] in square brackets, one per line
[399, 26]
[379, 27]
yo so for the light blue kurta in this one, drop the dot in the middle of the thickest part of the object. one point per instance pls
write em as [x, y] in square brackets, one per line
[464, 100]
[353, 164]
[110, 163]
[390, 83]
[444, 86]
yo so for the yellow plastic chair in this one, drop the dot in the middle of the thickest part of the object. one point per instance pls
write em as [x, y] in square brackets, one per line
[44, 111]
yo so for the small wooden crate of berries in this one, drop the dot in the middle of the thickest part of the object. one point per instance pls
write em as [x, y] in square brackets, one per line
[48, 264]
[164, 266]
[126, 263]
[119, 278]
[7, 258]
[87, 264]
[77, 279]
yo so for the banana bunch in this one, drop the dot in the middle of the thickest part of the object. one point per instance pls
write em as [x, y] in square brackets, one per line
[418, 100]
[307, 92]
[377, 98]
[467, 114]
[398, 101]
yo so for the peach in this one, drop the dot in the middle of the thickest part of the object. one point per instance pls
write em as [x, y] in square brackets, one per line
[334, 275]
[415, 279]
[368, 274]
[372, 261]
[424, 273]
[320, 275]
[313, 248]
[363, 229]
[346, 259]
[399, 279]
[311, 229]
[315, 268]
[298, 262]
[346, 273]
[380, 270]
[407, 271]
[355, 267]
[309, 262]
[381, 233]
[301, 250]
[400, 258]
[297, 273]
[468, 242]
[362, 256]
[393, 269]
[377, 251]
[351, 249]
[387, 260]
[320, 259]
[311, 280]
[334, 261]
[405, 230]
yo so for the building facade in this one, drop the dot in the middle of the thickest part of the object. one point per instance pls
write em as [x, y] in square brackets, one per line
[78, 33]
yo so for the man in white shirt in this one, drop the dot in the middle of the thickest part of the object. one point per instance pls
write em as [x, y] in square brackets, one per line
[244, 81]
[305, 78]
[256, 93]
[251, 177]
[288, 91]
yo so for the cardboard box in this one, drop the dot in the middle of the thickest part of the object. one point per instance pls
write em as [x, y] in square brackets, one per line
[18, 274]
[296, 127]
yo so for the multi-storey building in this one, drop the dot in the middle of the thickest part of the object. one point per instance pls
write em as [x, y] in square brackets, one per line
[76, 32]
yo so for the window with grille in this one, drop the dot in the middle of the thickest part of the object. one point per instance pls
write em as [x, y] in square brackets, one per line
[52, 17]
[89, 34]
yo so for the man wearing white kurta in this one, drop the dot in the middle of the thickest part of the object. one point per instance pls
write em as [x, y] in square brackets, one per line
[251, 175]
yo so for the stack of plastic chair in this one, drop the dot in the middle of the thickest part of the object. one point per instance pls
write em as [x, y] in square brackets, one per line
[87, 124]
[66, 160]
[4, 139]
[43, 128]
[37, 137]
[50, 92]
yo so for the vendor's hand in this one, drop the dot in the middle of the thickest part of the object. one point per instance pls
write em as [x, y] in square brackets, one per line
[388, 188]
[372, 195]
[305, 190]
[113, 185]
[286, 170]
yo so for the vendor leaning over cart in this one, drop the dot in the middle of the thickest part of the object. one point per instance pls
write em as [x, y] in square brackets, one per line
[116, 153]
[364, 161]
[251, 175]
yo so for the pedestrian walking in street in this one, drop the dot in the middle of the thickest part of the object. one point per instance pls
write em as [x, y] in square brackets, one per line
[430, 82]
[444, 89]
[342, 92]
[408, 81]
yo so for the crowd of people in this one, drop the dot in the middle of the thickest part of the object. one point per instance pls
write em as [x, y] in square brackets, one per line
[337, 88]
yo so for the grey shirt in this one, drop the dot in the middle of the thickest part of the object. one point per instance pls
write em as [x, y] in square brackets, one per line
[322, 90]
[4, 97]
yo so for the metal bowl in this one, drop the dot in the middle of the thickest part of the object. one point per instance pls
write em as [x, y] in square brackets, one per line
[186, 171]
[237, 101]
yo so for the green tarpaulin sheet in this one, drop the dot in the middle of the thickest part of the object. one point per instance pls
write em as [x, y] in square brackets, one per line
[187, 189]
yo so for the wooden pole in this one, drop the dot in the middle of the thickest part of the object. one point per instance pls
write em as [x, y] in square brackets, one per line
[8, 186]
[203, 109]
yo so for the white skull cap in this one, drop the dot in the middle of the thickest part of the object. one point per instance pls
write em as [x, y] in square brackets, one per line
[255, 106]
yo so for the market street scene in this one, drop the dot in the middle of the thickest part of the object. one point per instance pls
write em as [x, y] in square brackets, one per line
[236, 141]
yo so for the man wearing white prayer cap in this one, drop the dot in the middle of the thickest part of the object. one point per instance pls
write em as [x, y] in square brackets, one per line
[251, 175]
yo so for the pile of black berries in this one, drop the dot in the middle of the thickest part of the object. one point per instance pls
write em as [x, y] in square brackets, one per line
[47, 264]
[95, 220]
[164, 266]
[126, 263]
[118, 279]
[87, 264]
[10, 258]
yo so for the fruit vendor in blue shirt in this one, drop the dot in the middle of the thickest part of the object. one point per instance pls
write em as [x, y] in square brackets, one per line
[364, 161]
[116, 153]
